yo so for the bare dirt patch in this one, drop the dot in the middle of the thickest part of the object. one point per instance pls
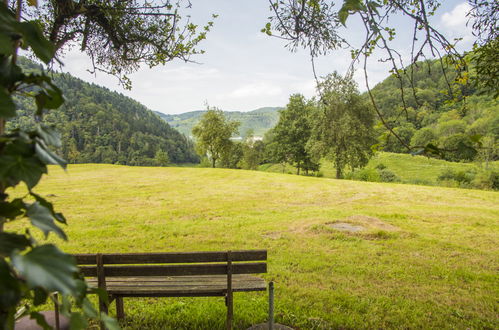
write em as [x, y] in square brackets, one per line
[361, 223]
[344, 226]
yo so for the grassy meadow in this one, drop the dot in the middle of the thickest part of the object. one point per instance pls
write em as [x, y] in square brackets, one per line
[428, 258]
[410, 169]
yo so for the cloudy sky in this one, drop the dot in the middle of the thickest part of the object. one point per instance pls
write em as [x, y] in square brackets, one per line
[243, 69]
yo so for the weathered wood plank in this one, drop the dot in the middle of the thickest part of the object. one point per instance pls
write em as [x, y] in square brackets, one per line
[176, 270]
[171, 282]
[178, 292]
[186, 278]
[167, 285]
[171, 257]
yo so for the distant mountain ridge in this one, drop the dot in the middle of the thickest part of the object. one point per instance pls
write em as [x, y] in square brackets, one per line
[101, 126]
[259, 120]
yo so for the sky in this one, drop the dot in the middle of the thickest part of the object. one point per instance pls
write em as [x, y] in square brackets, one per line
[244, 69]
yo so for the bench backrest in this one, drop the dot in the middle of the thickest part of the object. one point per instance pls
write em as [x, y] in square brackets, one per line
[172, 264]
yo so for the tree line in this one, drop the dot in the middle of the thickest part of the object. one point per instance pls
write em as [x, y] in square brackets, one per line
[101, 126]
[339, 126]
[458, 121]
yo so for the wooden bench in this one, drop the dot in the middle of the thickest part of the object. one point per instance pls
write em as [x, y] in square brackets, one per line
[185, 274]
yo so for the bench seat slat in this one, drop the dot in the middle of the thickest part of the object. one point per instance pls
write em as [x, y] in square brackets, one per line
[167, 286]
[171, 257]
[180, 279]
[176, 270]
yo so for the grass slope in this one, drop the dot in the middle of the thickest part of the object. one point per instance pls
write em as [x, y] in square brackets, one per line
[429, 259]
[410, 169]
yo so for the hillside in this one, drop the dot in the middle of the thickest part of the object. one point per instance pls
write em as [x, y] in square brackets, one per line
[425, 258]
[259, 120]
[101, 126]
[436, 113]
[407, 169]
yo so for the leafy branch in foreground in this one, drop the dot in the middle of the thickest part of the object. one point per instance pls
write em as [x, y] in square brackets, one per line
[318, 26]
[32, 273]
[120, 36]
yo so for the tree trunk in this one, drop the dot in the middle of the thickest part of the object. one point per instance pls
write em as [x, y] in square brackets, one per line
[338, 172]
[298, 169]
[213, 160]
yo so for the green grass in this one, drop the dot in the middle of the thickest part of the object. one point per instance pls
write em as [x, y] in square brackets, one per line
[428, 260]
[410, 169]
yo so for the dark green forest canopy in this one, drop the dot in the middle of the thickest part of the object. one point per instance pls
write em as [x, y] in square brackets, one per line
[435, 109]
[101, 126]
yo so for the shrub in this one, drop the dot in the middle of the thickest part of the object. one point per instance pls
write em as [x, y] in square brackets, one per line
[380, 166]
[365, 174]
[463, 178]
[386, 175]
[471, 178]
[486, 180]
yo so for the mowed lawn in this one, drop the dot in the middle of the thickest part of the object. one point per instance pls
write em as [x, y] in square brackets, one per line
[428, 258]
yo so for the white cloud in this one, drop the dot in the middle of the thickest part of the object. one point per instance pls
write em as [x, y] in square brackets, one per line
[256, 90]
[455, 25]
[457, 17]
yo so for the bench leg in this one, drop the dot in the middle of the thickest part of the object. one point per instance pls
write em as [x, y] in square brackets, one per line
[230, 309]
[271, 306]
[120, 308]
[103, 308]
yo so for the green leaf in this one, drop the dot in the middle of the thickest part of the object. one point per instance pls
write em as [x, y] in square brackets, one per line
[48, 267]
[49, 98]
[109, 322]
[348, 7]
[15, 169]
[19, 163]
[9, 73]
[57, 216]
[77, 321]
[47, 156]
[88, 309]
[342, 16]
[10, 242]
[11, 210]
[50, 135]
[33, 37]
[7, 106]
[101, 293]
[40, 320]
[5, 44]
[42, 218]
[40, 296]
[9, 287]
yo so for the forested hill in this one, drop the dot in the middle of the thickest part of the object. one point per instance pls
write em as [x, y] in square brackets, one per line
[259, 120]
[432, 114]
[102, 126]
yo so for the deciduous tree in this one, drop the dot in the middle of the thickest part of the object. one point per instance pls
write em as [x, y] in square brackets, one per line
[343, 130]
[119, 36]
[292, 133]
[213, 133]
[318, 26]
